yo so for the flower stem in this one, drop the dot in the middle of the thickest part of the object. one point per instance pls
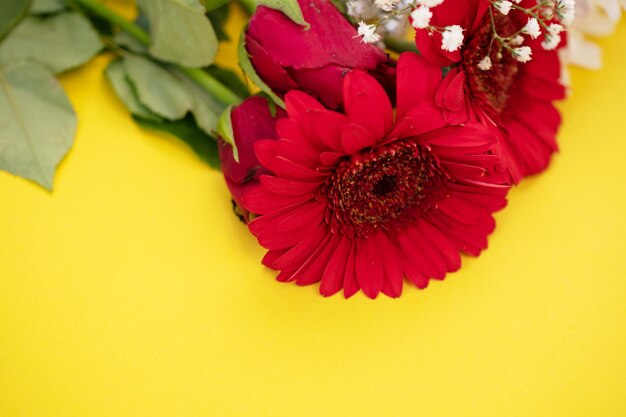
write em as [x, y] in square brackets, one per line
[200, 77]
[248, 5]
[399, 45]
[129, 27]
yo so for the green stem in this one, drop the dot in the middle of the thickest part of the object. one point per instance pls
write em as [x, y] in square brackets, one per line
[212, 85]
[200, 77]
[129, 27]
[248, 5]
[400, 45]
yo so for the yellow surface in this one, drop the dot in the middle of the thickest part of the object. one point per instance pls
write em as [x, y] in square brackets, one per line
[134, 291]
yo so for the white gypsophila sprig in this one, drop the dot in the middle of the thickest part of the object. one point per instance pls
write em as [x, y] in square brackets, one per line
[532, 28]
[503, 6]
[540, 17]
[522, 54]
[452, 38]
[420, 17]
[485, 64]
[428, 3]
[386, 5]
[368, 33]
[565, 10]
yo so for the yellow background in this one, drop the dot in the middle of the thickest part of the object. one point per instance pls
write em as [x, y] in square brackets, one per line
[134, 291]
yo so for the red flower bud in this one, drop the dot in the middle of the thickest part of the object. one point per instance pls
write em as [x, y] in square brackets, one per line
[288, 56]
[252, 121]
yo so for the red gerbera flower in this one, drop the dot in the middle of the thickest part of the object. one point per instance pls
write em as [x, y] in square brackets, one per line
[513, 97]
[359, 200]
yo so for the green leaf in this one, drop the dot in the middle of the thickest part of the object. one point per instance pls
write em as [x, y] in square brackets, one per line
[225, 130]
[218, 18]
[211, 5]
[248, 69]
[230, 79]
[205, 108]
[180, 32]
[289, 7]
[126, 41]
[176, 94]
[59, 42]
[125, 90]
[37, 122]
[185, 129]
[11, 13]
[47, 6]
[157, 89]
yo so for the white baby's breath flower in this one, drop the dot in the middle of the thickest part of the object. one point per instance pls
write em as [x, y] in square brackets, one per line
[503, 6]
[551, 41]
[360, 9]
[485, 63]
[532, 28]
[386, 5]
[596, 18]
[420, 17]
[368, 33]
[428, 3]
[565, 10]
[452, 38]
[555, 28]
[517, 40]
[522, 54]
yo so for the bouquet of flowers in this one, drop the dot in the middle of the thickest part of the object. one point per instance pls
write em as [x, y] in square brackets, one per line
[360, 158]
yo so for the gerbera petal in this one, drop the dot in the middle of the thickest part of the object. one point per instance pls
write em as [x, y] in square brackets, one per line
[311, 214]
[455, 140]
[333, 277]
[369, 269]
[314, 270]
[417, 250]
[260, 201]
[294, 257]
[443, 244]
[331, 158]
[417, 81]
[417, 277]
[423, 117]
[272, 155]
[328, 126]
[287, 187]
[271, 256]
[451, 98]
[366, 103]
[355, 138]
[350, 284]
[392, 265]
[299, 103]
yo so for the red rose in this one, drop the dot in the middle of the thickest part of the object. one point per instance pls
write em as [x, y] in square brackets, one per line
[288, 56]
[251, 121]
[514, 98]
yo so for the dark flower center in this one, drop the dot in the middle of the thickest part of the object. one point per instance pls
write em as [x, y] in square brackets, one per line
[384, 188]
[490, 88]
